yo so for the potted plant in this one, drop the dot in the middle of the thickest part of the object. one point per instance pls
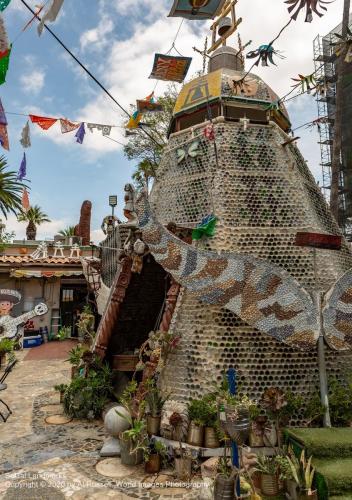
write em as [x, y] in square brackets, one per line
[154, 454]
[132, 441]
[224, 485]
[274, 402]
[85, 326]
[303, 474]
[257, 428]
[6, 346]
[211, 431]
[234, 416]
[183, 460]
[155, 403]
[64, 333]
[267, 467]
[75, 358]
[61, 388]
[198, 415]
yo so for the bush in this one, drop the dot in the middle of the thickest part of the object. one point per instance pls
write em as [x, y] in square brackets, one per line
[6, 345]
[86, 397]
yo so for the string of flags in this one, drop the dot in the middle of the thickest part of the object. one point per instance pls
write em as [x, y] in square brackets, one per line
[146, 105]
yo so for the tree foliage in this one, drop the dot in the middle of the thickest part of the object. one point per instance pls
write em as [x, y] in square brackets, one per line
[147, 147]
[67, 232]
[10, 190]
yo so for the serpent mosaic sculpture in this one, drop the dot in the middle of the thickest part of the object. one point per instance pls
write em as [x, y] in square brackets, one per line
[263, 295]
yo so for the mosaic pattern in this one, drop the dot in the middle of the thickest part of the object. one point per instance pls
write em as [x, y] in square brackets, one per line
[260, 293]
[337, 314]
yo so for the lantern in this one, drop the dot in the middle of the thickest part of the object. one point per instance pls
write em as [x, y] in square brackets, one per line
[196, 9]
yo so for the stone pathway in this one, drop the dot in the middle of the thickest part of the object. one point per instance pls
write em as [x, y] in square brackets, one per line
[39, 461]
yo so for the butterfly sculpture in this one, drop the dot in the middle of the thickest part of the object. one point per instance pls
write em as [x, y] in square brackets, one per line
[262, 294]
[344, 44]
[307, 83]
[310, 6]
[264, 53]
[191, 151]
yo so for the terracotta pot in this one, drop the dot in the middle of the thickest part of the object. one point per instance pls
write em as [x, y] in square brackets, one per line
[269, 485]
[210, 438]
[195, 434]
[303, 495]
[153, 425]
[183, 467]
[127, 456]
[224, 488]
[153, 465]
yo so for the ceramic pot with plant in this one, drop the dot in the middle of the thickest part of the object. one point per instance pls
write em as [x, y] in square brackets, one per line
[267, 468]
[155, 403]
[183, 461]
[154, 454]
[61, 388]
[224, 485]
[198, 415]
[303, 474]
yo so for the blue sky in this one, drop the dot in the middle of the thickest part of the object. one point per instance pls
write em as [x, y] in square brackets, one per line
[117, 40]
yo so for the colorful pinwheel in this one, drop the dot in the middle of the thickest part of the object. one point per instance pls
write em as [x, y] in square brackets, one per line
[307, 82]
[264, 53]
[344, 45]
[310, 6]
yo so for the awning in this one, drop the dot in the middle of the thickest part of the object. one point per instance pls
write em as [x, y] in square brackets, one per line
[19, 273]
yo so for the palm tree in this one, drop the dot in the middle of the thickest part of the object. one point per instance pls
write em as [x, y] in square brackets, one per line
[68, 231]
[10, 190]
[34, 216]
[145, 171]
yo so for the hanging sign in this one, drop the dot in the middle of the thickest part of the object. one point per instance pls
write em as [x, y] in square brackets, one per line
[196, 9]
[170, 68]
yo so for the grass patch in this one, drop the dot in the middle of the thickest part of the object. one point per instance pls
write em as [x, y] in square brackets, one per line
[324, 443]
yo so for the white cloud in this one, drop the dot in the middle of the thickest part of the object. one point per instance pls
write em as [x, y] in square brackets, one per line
[33, 82]
[44, 231]
[97, 38]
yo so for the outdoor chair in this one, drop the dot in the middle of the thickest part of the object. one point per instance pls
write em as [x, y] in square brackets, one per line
[3, 386]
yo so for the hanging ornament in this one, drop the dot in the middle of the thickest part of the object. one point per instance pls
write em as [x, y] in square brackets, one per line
[50, 15]
[25, 136]
[148, 105]
[43, 121]
[196, 9]
[81, 132]
[23, 169]
[170, 68]
[310, 6]
[205, 228]
[344, 44]
[4, 4]
[134, 120]
[25, 200]
[67, 126]
[209, 132]
[307, 82]
[264, 53]
[4, 138]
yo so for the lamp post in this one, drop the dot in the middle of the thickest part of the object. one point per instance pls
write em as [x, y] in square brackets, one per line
[113, 202]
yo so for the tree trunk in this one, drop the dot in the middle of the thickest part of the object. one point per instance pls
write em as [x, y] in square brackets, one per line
[336, 149]
[31, 231]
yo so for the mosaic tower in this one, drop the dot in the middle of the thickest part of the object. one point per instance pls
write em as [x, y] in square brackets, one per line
[253, 178]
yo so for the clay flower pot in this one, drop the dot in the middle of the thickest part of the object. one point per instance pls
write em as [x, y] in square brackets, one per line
[153, 465]
[269, 485]
[195, 434]
[183, 468]
[153, 425]
[210, 438]
[224, 488]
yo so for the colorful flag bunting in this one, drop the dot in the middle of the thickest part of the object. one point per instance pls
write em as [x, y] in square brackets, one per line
[25, 200]
[44, 122]
[105, 129]
[145, 106]
[81, 132]
[26, 136]
[67, 125]
[4, 4]
[170, 68]
[4, 64]
[134, 120]
[4, 41]
[3, 119]
[50, 15]
[23, 169]
[4, 138]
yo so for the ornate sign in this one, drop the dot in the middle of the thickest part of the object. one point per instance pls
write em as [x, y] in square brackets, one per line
[170, 68]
